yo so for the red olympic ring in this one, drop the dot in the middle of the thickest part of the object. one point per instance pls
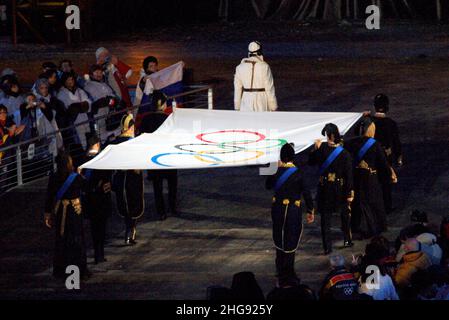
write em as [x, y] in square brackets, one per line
[261, 136]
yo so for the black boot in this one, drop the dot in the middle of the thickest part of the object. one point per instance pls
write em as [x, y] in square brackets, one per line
[348, 244]
[130, 237]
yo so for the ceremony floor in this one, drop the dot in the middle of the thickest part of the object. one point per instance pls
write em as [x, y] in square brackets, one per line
[224, 226]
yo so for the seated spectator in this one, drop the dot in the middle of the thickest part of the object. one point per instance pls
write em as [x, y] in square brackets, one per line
[412, 261]
[420, 225]
[431, 284]
[339, 284]
[430, 247]
[245, 287]
[376, 255]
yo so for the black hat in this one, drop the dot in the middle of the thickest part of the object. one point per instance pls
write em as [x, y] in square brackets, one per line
[93, 140]
[331, 129]
[365, 124]
[287, 153]
[381, 103]
[419, 217]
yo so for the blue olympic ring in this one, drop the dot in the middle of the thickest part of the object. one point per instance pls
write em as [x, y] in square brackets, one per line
[155, 159]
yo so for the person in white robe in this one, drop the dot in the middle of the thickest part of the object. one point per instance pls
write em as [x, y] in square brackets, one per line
[253, 83]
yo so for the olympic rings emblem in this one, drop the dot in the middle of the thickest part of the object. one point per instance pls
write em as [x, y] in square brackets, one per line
[156, 158]
[260, 137]
[208, 148]
[219, 148]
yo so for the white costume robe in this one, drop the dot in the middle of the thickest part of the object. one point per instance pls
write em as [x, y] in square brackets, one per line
[254, 86]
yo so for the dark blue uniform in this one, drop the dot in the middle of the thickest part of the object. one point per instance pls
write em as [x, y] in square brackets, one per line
[286, 213]
[368, 214]
[98, 206]
[334, 189]
[387, 133]
[129, 191]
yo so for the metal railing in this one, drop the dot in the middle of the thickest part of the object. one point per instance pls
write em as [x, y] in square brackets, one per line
[34, 158]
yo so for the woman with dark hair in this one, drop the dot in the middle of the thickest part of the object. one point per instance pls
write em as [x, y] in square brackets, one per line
[150, 65]
[64, 214]
[13, 96]
[53, 81]
[370, 166]
[383, 288]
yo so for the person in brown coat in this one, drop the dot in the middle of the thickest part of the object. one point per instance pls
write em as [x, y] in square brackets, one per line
[413, 261]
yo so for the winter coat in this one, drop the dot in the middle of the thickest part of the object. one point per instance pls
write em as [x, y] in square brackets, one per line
[411, 263]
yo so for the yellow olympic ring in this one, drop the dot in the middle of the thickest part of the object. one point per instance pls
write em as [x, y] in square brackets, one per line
[258, 155]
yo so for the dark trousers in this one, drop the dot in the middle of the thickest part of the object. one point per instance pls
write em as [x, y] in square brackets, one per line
[98, 228]
[326, 222]
[172, 180]
[285, 264]
[130, 224]
[388, 201]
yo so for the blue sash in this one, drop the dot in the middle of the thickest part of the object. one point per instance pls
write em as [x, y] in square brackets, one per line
[88, 173]
[68, 182]
[284, 177]
[331, 159]
[365, 149]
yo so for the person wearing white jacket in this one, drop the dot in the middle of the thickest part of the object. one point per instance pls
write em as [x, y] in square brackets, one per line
[253, 83]
[385, 289]
[76, 107]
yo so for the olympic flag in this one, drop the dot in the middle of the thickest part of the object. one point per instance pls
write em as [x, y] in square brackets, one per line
[195, 139]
